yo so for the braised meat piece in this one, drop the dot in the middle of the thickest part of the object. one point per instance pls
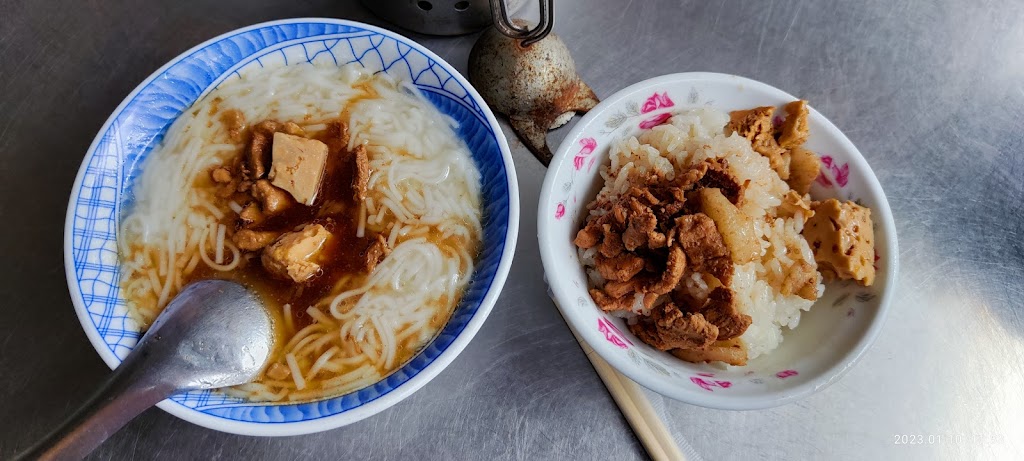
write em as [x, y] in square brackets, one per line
[675, 267]
[590, 235]
[804, 167]
[756, 125]
[608, 303]
[375, 253]
[718, 177]
[641, 223]
[273, 200]
[221, 175]
[794, 130]
[611, 242]
[258, 158]
[251, 215]
[337, 137]
[622, 267]
[669, 328]
[793, 203]
[361, 178]
[250, 240]
[720, 310]
[617, 289]
[704, 247]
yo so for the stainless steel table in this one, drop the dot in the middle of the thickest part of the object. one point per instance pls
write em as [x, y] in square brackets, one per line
[931, 92]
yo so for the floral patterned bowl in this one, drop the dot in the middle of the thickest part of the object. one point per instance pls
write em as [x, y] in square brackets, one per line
[830, 337]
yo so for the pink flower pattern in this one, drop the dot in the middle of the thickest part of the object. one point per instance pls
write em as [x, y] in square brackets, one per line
[708, 384]
[560, 211]
[786, 373]
[589, 144]
[839, 173]
[655, 102]
[612, 334]
[655, 121]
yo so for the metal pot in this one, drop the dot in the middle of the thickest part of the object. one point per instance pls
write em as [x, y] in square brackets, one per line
[456, 17]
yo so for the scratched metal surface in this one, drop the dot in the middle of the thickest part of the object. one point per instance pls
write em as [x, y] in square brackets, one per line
[932, 94]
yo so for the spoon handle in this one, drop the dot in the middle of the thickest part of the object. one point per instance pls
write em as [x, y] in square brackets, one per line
[120, 399]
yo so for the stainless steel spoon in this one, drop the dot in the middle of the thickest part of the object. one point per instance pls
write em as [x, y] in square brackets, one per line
[215, 333]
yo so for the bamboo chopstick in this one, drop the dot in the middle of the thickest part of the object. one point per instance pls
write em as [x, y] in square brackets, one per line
[633, 404]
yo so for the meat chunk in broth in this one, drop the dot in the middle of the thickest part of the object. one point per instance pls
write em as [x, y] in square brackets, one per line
[258, 158]
[375, 253]
[296, 255]
[251, 240]
[361, 178]
[273, 199]
[221, 175]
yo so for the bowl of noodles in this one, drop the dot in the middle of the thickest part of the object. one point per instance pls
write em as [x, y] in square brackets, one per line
[717, 240]
[345, 173]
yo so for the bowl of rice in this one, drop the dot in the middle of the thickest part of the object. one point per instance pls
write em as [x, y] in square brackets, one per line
[154, 206]
[796, 338]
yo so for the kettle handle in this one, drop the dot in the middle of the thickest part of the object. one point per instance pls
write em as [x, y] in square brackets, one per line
[527, 35]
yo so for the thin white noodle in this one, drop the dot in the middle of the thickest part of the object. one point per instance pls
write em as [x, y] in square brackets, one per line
[162, 265]
[303, 333]
[322, 360]
[166, 291]
[320, 317]
[289, 324]
[361, 229]
[219, 248]
[154, 280]
[236, 255]
[212, 209]
[300, 383]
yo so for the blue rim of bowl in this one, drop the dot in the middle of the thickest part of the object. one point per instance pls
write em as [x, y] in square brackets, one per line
[491, 270]
[620, 362]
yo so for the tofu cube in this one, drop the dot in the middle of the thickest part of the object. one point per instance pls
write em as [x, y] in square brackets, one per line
[298, 166]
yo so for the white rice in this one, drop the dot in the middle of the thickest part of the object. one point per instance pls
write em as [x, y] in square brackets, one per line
[690, 138]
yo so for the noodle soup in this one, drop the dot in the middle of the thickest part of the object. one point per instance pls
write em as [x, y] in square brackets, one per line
[344, 198]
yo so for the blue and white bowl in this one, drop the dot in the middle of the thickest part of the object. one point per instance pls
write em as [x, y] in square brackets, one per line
[105, 179]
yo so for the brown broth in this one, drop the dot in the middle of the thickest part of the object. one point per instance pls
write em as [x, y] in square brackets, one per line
[343, 254]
